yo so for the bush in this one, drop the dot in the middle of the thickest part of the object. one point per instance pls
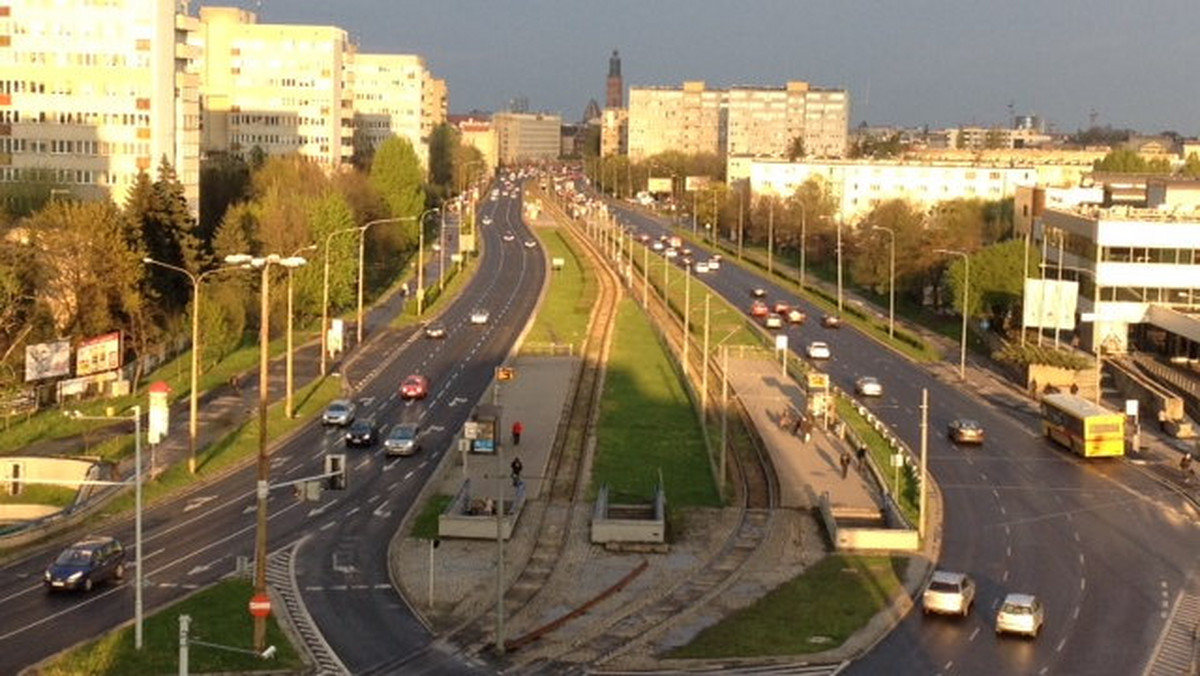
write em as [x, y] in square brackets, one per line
[1013, 353]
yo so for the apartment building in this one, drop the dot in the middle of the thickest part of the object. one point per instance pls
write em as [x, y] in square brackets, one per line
[859, 186]
[97, 93]
[614, 130]
[750, 121]
[281, 88]
[395, 95]
[479, 134]
[522, 137]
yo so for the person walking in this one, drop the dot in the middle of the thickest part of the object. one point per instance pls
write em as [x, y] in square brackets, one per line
[517, 429]
[516, 467]
[845, 460]
[1185, 466]
[861, 454]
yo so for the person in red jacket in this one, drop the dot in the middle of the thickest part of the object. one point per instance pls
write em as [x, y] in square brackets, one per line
[517, 429]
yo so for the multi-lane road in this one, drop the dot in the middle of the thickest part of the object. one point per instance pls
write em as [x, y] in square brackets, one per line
[1106, 548]
[337, 547]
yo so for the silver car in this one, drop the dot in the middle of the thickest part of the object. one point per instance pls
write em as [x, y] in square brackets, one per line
[949, 594]
[340, 412]
[402, 440]
[1020, 614]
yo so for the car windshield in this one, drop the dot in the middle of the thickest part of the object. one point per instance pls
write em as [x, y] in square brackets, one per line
[337, 408]
[75, 557]
[944, 587]
[1016, 609]
[403, 433]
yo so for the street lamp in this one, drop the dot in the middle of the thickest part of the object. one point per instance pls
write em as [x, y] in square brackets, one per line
[803, 238]
[137, 514]
[962, 359]
[771, 238]
[287, 405]
[193, 418]
[839, 263]
[421, 259]
[263, 487]
[891, 280]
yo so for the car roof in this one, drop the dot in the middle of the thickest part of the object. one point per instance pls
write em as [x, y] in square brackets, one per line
[1020, 599]
[948, 576]
[339, 402]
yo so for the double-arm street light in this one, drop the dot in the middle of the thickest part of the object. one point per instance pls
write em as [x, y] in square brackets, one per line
[262, 491]
[195, 280]
[962, 358]
[362, 230]
[891, 280]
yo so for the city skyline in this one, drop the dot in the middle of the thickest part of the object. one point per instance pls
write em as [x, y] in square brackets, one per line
[933, 62]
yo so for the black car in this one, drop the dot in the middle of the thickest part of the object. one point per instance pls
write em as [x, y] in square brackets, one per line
[87, 563]
[361, 432]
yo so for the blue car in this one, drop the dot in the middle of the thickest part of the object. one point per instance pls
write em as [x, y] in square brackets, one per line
[87, 563]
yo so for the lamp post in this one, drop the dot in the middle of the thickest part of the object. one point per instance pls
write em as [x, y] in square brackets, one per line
[839, 264]
[137, 516]
[771, 238]
[891, 280]
[741, 227]
[193, 418]
[362, 242]
[262, 488]
[421, 260]
[962, 359]
[803, 238]
[288, 358]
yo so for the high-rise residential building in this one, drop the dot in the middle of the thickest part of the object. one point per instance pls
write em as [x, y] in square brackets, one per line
[395, 95]
[764, 122]
[96, 92]
[478, 133]
[281, 88]
[615, 86]
[527, 136]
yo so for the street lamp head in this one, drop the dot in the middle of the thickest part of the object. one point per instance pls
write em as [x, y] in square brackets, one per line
[239, 259]
[291, 261]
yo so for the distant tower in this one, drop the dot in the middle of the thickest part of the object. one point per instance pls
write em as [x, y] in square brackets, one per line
[616, 89]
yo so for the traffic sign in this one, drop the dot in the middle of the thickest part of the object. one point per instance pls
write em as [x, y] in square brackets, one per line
[260, 605]
[506, 373]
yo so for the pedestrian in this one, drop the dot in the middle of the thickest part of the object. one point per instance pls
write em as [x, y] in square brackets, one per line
[235, 382]
[516, 467]
[845, 459]
[1185, 466]
[861, 454]
[517, 429]
[808, 429]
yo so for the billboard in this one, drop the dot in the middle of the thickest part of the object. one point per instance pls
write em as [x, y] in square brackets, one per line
[1050, 303]
[694, 183]
[47, 360]
[658, 184]
[99, 354]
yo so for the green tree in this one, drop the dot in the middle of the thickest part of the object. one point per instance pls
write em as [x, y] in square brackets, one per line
[869, 251]
[796, 149]
[328, 214]
[224, 180]
[996, 284]
[1191, 166]
[396, 174]
[167, 232]
[443, 149]
[33, 189]
[1121, 161]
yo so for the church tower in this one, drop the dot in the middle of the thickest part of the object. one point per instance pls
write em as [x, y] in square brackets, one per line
[615, 92]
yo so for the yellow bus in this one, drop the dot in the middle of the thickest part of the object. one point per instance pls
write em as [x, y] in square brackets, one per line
[1082, 426]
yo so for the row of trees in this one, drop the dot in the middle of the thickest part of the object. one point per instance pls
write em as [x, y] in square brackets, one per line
[73, 269]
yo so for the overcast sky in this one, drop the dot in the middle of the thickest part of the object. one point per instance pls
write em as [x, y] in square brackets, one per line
[904, 62]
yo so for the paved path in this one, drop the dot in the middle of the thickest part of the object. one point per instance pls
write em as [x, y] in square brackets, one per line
[806, 470]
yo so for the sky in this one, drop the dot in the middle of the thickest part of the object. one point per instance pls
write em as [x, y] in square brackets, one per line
[941, 63]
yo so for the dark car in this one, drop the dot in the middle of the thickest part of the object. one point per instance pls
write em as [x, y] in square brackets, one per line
[965, 431]
[361, 433]
[414, 387]
[435, 331]
[87, 563]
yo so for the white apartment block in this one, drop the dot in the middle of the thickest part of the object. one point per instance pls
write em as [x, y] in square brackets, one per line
[750, 121]
[858, 187]
[97, 92]
[395, 95]
[282, 88]
[614, 132]
[686, 119]
[522, 137]
[1134, 267]
[480, 134]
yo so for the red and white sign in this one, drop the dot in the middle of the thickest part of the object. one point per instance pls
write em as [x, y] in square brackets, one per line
[260, 605]
[95, 355]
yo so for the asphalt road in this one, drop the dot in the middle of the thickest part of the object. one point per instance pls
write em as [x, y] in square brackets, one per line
[339, 542]
[1105, 548]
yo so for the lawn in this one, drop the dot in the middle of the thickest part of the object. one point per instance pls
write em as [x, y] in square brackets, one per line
[563, 316]
[648, 427]
[218, 615]
[813, 612]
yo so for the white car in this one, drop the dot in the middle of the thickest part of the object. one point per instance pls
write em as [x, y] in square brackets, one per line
[701, 267]
[657, 246]
[480, 316]
[868, 386]
[508, 237]
[487, 220]
[819, 350]
[949, 593]
[773, 321]
[529, 244]
[1020, 614]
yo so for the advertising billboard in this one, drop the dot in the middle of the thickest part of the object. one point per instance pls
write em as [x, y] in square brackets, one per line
[659, 184]
[99, 354]
[47, 360]
[1050, 303]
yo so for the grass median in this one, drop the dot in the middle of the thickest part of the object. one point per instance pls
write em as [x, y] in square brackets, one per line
[563, 316]
[648, 428]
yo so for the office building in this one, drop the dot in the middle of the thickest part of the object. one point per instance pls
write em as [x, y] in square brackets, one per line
[395, 95]
[96, 92]
[522, 137]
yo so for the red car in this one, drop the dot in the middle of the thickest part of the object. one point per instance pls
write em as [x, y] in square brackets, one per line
[759, 309]
[414, 387]
[781, 308]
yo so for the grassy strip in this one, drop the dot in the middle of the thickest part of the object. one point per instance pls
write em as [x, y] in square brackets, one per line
[218, 615]
[563, 316]
[881, 453]
[815, 611]
[648, 426]
[425, 526]
[37, 494]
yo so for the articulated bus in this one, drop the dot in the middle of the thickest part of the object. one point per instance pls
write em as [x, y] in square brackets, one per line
[1082, 426]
